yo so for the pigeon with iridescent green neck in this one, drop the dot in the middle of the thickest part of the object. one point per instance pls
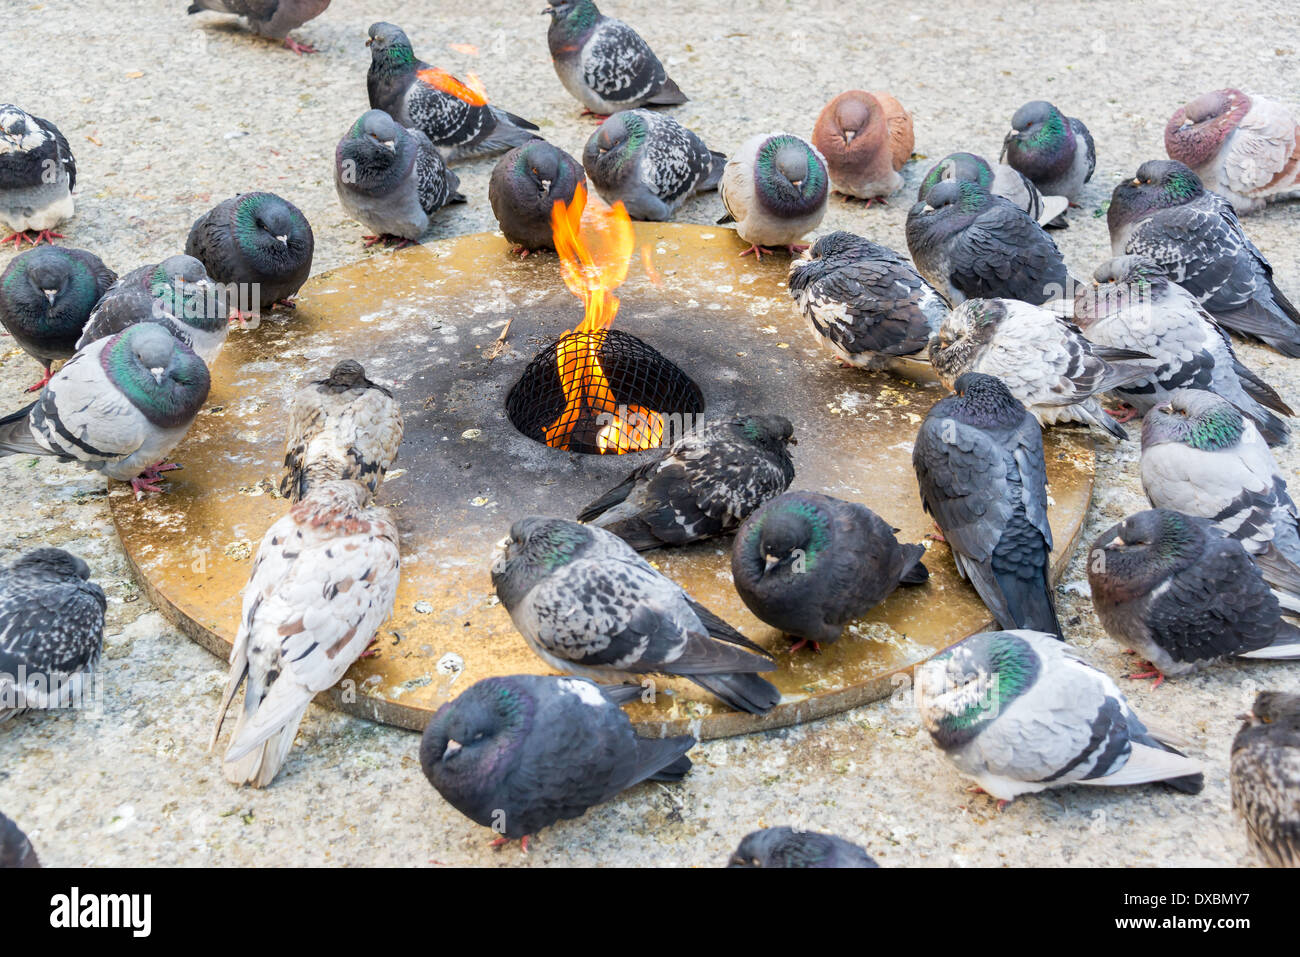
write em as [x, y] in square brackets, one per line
[15, 848]
[1055, 151]
[795, 847]
[37, 176]
[1265, 777]
[1000, 180]
[46, 297]
[775, 188]
[272, 19]
[525, 186]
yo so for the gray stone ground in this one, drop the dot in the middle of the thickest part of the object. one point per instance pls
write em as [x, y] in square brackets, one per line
[168, 114]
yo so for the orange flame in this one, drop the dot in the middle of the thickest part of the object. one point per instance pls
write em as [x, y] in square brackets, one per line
[440, 79]
[466, 48]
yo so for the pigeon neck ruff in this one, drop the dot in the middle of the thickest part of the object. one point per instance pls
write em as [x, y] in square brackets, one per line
[169, 403]
[984, 676]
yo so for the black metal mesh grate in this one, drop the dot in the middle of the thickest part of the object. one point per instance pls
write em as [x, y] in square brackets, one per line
[646, 389]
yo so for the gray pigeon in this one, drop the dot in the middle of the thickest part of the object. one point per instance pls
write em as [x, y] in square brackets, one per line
[118, 406]
[1167, 215]
[1055, 151]
[175, 293]
[526, 184]
[1200, 456]
[15, 848]
[603, 62]
[1183, 595]
[520, 752]
[37, 176]
[701, 487]
[775, 188]
[272, 19]
[51, 631]
[46, 296]
[970, 244]
[650, 162]
[1134, 306]
[391, 179]
[1020, 712]
[458, 120]
[1265, 777]
[979, 464]
[810, 564]
[589, 605]
[1041, 358]
[788, 847]
[864, 302]
[257, 245]
[1000, 180]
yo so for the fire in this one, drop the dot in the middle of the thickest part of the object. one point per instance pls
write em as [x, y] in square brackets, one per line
[466, 48]
[440, 79]
[594, 262]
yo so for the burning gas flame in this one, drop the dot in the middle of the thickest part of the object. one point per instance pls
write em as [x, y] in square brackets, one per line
[438, 78]
[594, 262]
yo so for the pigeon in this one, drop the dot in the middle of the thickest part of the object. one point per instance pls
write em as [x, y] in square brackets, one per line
[15, 848]
[809, 564]
[51, 631]
[1134, 306]
[1202, 457]
[1265, 777]
[37, 176]
[391, 179]
[1043, 360]
[1179, 592]
[970, 244]
[1244, 147]
[46, 296]
[1055, 151]
[1167, 215]
[175, 293]
[774, 188]
[864, 302]
[1000, 180]
[588, 604]
[979, 463]
[520, 752]
[604, 63]
[649, 162]
[788, 847]
[340, 427]
[704, 485]
[257, 243]
[118, 407]
[272, 19]
[866, 139]
[457, 119]
[323, 581]
[1020, 712]
[526, 184]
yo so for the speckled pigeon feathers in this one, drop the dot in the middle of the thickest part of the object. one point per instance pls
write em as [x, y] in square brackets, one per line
[268, 18]
[1265, 777]
[37, 172]
[775, 188]
[525, 186]
[257, 241]
[788, 847]
[15, 848]
[1000, 180]
[46, 297]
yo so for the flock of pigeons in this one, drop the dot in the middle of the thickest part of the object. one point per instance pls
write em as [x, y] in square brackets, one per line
[1212, 572]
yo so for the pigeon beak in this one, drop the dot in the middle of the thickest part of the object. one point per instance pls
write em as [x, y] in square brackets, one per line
[50, 294]
[546, 185]
[370, 41]
[283, 240]
[796, 183]
[927, 208]
[500, 552]
[389, 145]
[1187, 124]
[848, 136]
[769, 561]
[453, 748]
[157, 373]
[549, 11]
[1135, 182]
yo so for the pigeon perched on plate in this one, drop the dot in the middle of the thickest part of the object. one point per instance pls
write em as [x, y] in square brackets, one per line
[456, 118]
[520, 752]
[323, 581]
[1055, 151]
[702, 486]
[809, 564]
[1044, 360]
[866, 138]
[979, 463]
[603, 62]
[1202, 457]
[788, 847]
[272, 19]
[970, 244]
[1020, 712]
[51, 631]
[774, 188]
[341, 427]
[118, 407]
[1265, 777]
[175, 293]
[37, 176]
[15, 848]
[1000, 180]
[526, 184]
[589, 605]
[864, 302]
[1134, 306]
[1183, 595]
[1167, 215]
[650, 162]
[1244, 147]
[46, 296]
[256, 244]
[391, 179]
